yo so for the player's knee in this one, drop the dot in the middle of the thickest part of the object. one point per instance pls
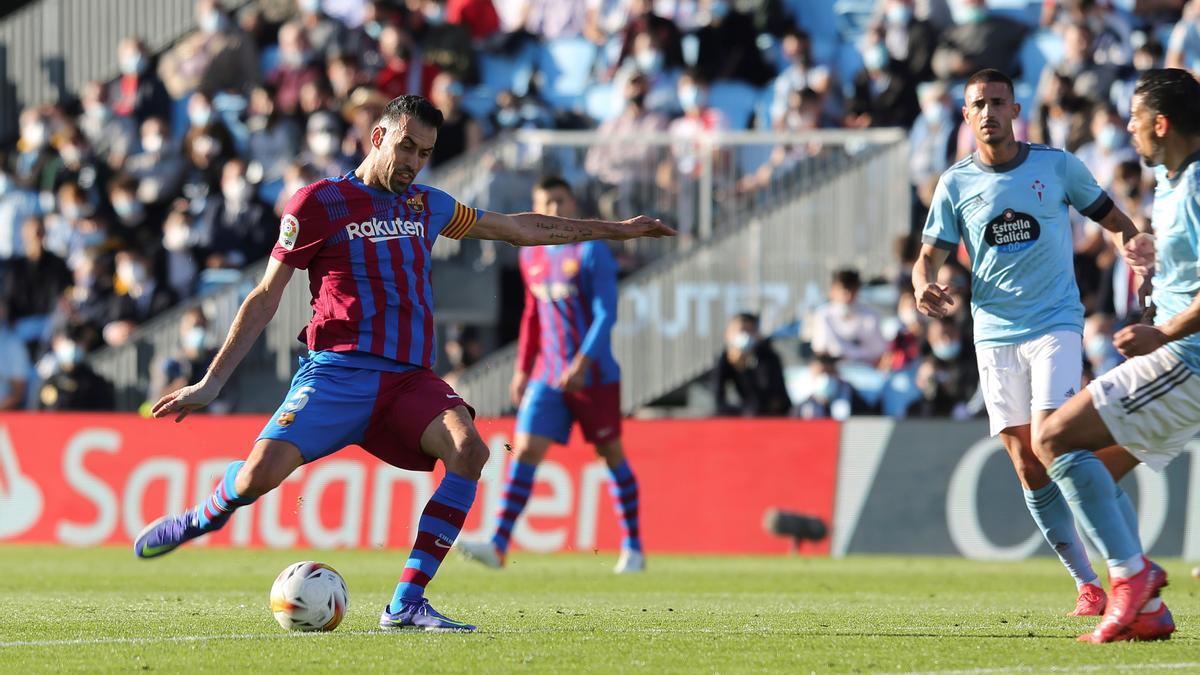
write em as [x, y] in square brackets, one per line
[469, 458]
[1050, 441]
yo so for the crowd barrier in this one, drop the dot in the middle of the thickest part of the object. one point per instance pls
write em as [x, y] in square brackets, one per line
[884, 486]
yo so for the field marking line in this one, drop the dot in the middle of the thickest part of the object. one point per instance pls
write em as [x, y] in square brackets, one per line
[1107, 667]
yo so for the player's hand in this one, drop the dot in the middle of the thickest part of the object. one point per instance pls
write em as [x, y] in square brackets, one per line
[934, 300]
[644, 226]
[185, 400]
[1138, 339]
[1138, 253]
[516, 388]
[574, 378]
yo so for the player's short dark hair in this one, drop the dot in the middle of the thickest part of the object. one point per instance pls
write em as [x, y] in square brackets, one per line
[1173, 93]
[989, 75]
[848, 279]
[550, 182]
[413, 106]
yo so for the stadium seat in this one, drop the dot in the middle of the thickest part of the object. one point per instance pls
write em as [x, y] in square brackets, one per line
[1025, 11]
[602, 101]
[735, 100]
[566, 68]
[479, 102]
[512, 73]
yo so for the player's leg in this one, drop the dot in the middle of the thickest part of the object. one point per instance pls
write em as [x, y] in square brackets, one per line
[598, 410]
[1006, 380]
[1119, 463]
[269, 463]
[321, 414]
[542, 419]
[626, 501]
[1066, 444]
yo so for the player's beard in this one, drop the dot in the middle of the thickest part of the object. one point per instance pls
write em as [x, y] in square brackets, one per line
[1150, 152]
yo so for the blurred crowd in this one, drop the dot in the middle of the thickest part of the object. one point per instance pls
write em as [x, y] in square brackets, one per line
[167, 179]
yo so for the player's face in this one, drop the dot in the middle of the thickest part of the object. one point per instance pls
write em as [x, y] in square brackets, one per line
[404, 151]
[989, 109]
[1141, 131]
[556, 201]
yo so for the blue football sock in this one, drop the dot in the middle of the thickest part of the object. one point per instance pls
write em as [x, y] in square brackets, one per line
[1128, 513]
[1090, 490]
[625, 496]
[436, 532]
[516, 494]
[1053, 517]
[212, 513]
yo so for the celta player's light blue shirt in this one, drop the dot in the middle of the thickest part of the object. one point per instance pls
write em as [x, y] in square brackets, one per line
[1176, 220]
[1013, 219]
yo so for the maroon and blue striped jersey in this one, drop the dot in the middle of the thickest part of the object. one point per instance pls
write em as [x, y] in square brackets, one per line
[368, 256]
[570, 307]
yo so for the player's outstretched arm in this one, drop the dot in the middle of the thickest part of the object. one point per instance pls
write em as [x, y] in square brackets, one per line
[253, 316]
[932, 299]
[536, 229]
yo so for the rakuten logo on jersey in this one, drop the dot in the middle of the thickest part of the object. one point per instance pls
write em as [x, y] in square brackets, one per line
[383, 230]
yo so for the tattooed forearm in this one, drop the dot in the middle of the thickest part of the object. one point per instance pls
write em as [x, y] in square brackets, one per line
[563, 230]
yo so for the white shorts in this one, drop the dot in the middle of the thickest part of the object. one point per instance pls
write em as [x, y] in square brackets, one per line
[1039, 374]
[1151, 406]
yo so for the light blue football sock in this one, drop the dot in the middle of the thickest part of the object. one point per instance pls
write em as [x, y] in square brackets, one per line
[1128, 513]
[1053, 517]
[1090, 490]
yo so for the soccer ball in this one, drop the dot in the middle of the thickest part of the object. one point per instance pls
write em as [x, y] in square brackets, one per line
[309, 596]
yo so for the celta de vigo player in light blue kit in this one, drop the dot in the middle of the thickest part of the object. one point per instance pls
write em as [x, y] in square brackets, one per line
[1008, 205]
[1149, 404]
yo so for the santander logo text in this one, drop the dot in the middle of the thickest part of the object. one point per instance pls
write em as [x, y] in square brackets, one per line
[383, 230]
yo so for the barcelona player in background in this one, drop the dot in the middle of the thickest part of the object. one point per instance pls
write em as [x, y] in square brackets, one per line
[566, 373]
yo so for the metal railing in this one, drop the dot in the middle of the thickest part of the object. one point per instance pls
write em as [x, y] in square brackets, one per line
[672, 314]
[51, 48]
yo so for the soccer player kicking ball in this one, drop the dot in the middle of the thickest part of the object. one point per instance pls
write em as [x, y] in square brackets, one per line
[1007, 203]
[1151, 403]
[565, 349]
[365, 239]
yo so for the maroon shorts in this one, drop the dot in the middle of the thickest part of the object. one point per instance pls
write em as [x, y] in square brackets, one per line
[404, 407]
[549, 412]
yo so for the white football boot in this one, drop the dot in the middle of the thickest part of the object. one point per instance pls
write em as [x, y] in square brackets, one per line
[630, 561]
[482, 552]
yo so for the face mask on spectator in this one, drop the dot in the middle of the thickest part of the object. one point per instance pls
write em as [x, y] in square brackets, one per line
[435, 14]
[236, 191]
[932, 113]
[74, 212]
[131, 274]
[128, 210]
[908, 316]
[322, 144]
[199, 116]
[210, 22]
[152, 144]
[742, 341]
[194, 338]
[373, 29]
[132, 65]
[294, 59]
[876, 56]
[34, 135]
[1110, 137]
[824, 387]
[508, 118]
[690, 98]
[71, 154]
[175, 236]
[92, 239]
[947, 351]
[68, 353]
[206, 146]
[718, 9]
[839, 308]
[649, 61]
[899, 15]
[973, 15]
[1097, 346]
[310, 6]
[98, 112]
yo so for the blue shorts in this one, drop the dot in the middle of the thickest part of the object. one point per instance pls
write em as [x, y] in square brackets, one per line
[332, 406]
[549, 412]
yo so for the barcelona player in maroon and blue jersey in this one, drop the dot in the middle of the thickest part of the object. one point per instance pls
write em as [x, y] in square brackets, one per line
[365, 239]
[566, 373]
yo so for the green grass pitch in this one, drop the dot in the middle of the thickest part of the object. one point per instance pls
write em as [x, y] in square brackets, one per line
[205, 610]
